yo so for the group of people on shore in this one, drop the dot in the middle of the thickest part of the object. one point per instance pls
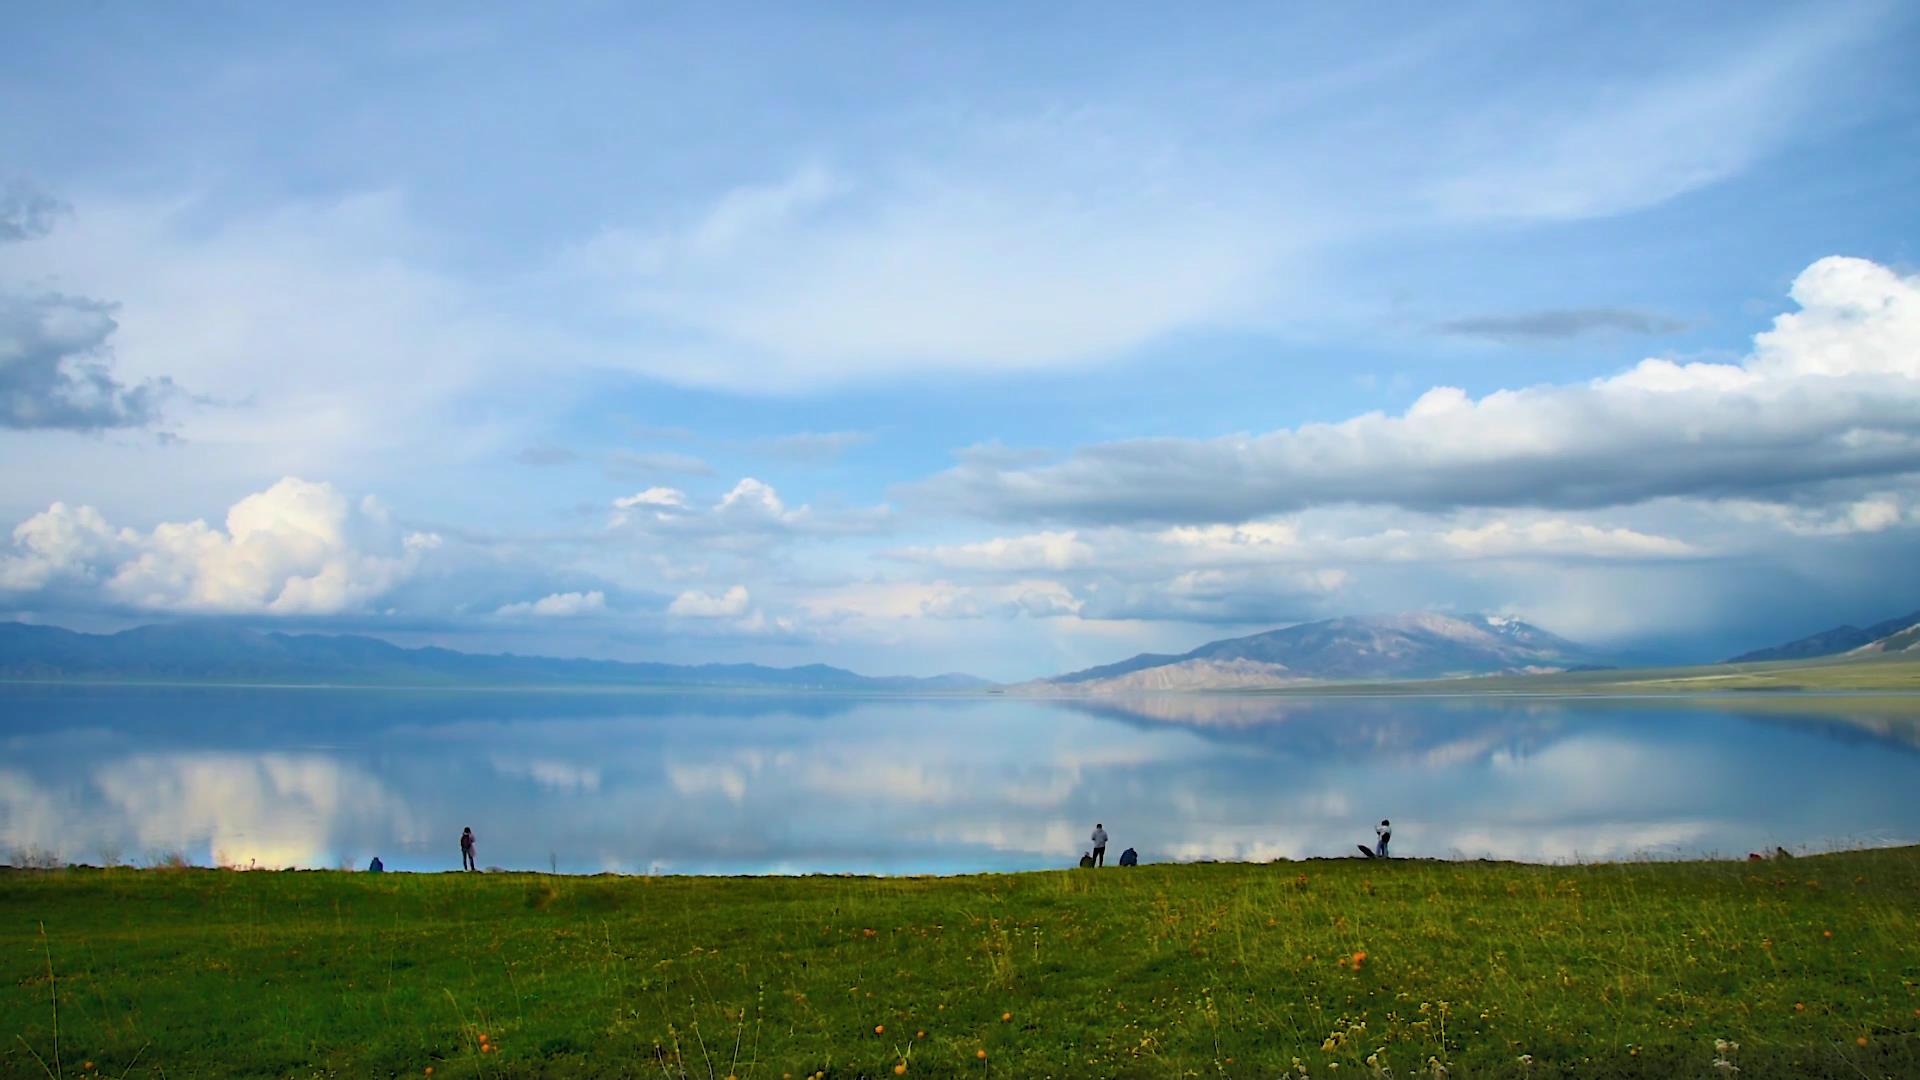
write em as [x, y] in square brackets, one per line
[1092, 857]
[1097, 854]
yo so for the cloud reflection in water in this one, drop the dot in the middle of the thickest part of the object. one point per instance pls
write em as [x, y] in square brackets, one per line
[752, 783]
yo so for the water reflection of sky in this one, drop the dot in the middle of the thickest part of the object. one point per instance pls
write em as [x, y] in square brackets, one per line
[754, 783]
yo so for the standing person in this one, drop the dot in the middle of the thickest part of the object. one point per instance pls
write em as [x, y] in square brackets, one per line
[1099, 844]
[466, 849]
[1384, 831]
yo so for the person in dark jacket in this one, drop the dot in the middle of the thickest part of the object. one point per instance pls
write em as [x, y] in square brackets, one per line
[376, 866]
[1129, 857]
[466, 849]
[1384, 831]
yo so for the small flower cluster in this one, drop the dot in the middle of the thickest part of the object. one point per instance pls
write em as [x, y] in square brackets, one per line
[1340, 1036]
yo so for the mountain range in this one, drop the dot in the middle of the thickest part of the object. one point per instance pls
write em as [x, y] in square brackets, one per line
[213, 652]
[1840, 639]
[1410, 646]
[1413, 645]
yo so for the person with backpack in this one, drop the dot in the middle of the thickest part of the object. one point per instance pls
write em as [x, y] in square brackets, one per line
[1384, 831]
[1086, 860]
[1099, 851]
[466, 850]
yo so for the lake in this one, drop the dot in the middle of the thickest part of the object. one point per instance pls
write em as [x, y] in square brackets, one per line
[792, 783]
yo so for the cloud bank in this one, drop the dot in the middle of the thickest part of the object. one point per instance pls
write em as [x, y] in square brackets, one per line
[297, 548]
[54, 369]
[1830, 393]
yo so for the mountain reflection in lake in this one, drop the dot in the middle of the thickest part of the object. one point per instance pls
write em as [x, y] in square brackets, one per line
[743, 783]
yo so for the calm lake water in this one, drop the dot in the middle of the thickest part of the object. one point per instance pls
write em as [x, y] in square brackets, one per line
[732, 783]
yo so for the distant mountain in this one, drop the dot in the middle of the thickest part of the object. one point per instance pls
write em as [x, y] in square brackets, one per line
[1829, 642]
[1416, 645]
[203, 651]
[1906, 639]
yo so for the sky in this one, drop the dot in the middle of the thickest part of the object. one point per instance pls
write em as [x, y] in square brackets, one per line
[972, 338]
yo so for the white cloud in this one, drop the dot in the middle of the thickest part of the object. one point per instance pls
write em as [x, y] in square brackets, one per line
[696, 780]
[559, 605]
[554, 775]
[664, 497]
[1874, 513]
[1558, 150]
[1034, 598]
[1560, 538]
[297, 548]
[1830, 392]
[700, 605]
[322, 325]
[749, 516]
[276, 809]
[1036, 551]
[655, 503]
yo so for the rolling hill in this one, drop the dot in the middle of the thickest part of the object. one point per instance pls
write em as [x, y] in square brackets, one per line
[217, 653]
[1831, 642]
[1415, 645]
[1905, 640]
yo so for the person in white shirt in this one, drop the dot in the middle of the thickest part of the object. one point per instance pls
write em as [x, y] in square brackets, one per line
[1384, 831]
[1099, 844]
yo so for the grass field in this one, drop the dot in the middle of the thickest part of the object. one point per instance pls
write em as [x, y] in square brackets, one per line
[1810, 965]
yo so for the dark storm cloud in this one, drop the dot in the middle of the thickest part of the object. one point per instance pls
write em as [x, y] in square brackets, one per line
[27, 213]
[54, 367]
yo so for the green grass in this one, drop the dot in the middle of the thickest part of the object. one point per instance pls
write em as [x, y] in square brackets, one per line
[1214, 970]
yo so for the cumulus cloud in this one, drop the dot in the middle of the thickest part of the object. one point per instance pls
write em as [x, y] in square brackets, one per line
[1831, 392]
[297, 548]
[1536, 326]
[273, 809]
[696, 604]
[54, 370]
[659, 504]
[750, 515]
[558, 605]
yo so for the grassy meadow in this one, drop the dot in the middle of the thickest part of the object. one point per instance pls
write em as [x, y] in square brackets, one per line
[1322, 968]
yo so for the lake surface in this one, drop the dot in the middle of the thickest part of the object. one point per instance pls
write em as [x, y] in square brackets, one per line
[752, 783]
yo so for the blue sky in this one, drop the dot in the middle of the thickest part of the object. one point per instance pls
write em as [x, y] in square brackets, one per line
[965, 337]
